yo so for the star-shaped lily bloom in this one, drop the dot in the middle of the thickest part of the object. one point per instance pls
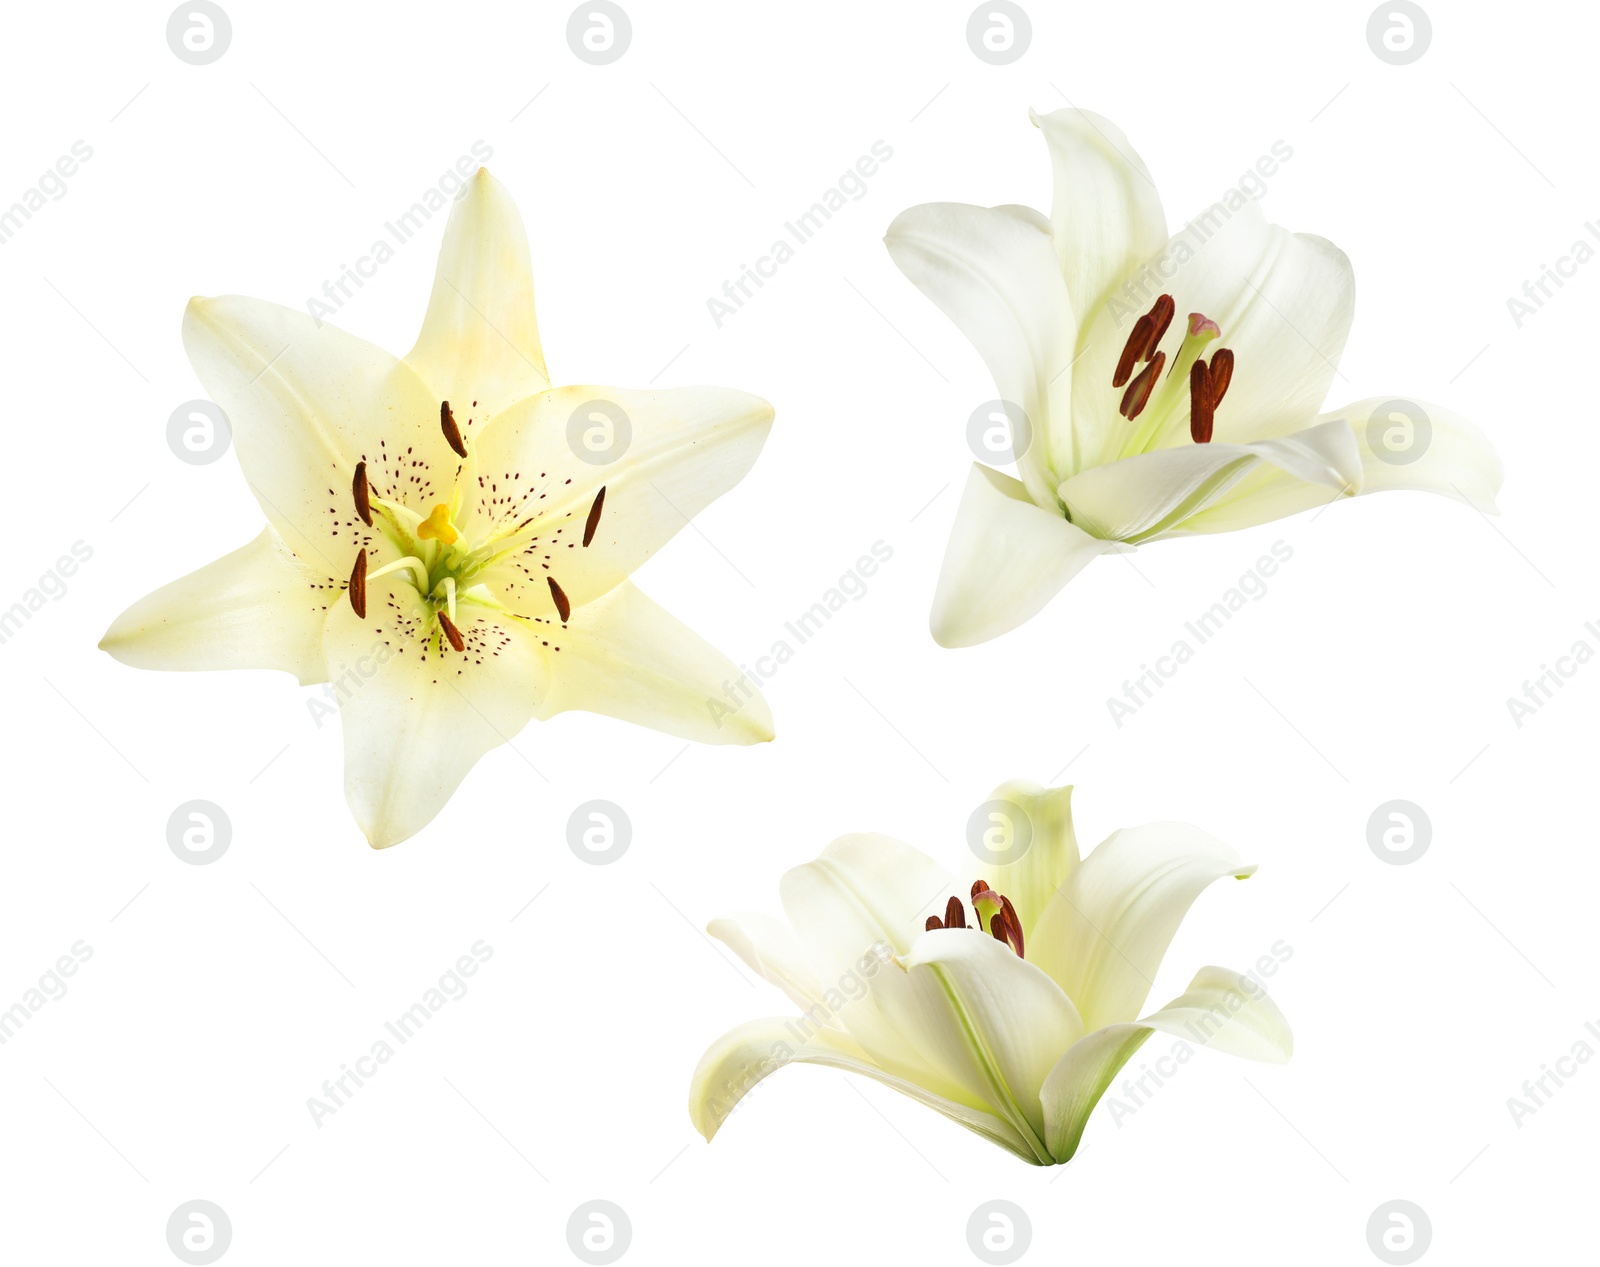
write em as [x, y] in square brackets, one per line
[1170, 384]
[1011, 1013]
[449, 537]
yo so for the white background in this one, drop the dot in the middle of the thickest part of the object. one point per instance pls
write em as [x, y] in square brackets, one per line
[1377, 666]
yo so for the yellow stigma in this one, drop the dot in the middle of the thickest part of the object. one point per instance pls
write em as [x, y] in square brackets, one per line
[438, 526]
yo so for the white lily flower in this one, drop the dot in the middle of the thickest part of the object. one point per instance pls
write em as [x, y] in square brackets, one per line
[1171, 383]
[446, 540]
[1012, 1019]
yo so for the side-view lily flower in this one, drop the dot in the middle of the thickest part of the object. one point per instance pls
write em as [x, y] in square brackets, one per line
[449, 538]
[1170, 384]
[1010, 1014]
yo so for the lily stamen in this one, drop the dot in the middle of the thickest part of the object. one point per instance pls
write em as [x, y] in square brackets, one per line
[992, 913]
[450, 597]
[452, 433]
[1138, 393]
[593, 521]
[359, 490]
[1202, 403]
[1145, 338]
[1221, 374]
[452, 633]
[563, 605]
[358, 586]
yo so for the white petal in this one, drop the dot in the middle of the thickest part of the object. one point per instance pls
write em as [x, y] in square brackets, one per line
[1080, 1078]
[741, 1058]
[771, 950]
[1031, 880]
[623, 656]
[417, 716]
[1284, 302]
[1228, 1011]
[1158, 494]
[1008, 1024]
[1448, 455]
[308, 402]
[1106, 214]
[257, 608]
[1221, 1009]
[994, 274]
[1104, 935]
[480, 340]
[680, 450]
[866, 893]
[1006, 559]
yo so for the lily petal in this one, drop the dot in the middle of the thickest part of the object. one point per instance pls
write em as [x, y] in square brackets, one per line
[260, 607]
[1032, 880]
[1106, 214]
[1159, 494]
[742, 1057]
[306, 403]
[1221, 1009]
[1012, 1023]
[418, 715]
[678, 451]
[995, 275]
[480, 338]
[1006, 559]
[1103, 937]
[771, 950]
[1453, 457]
[1283, 301]
[864, 893]
[624, 656]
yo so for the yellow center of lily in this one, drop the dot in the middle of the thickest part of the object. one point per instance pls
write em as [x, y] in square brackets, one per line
[437, 526]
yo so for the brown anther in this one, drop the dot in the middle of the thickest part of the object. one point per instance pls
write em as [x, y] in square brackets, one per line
[1161, 315]
[358, 586]
[452, 633]
[1138, 394]
[1132, 350]
[933, 923]
[1013, 925]
[452, 433]
[954, 916]
[358, 489]
[1202, 403]
[593, 521]
[1221, 374]
[979, 886]
[562, 605]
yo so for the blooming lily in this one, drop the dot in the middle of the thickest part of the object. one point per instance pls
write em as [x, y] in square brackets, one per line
[449, 537]
[1170, 383]
[1010, 1017]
